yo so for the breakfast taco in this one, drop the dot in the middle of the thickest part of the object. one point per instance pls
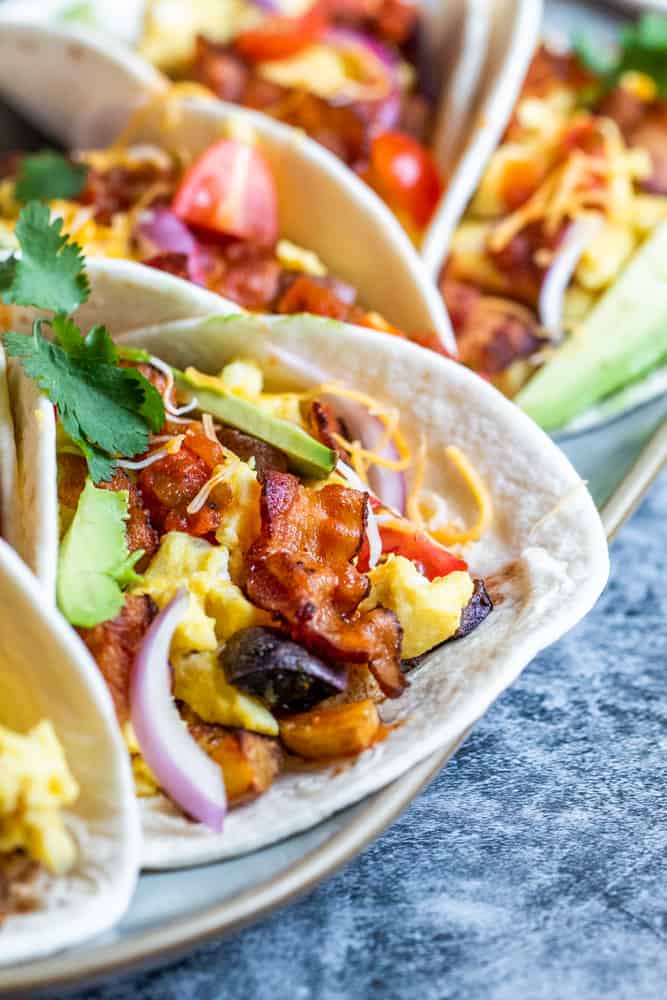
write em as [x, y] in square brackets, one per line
[398, 91]
[554, 279]
[231, 201]
[302, 554]
[69, 829]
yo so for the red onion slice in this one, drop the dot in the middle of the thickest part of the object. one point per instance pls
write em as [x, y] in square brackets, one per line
[184, 771]
[388, 485]
[560, 273]
[165, 233]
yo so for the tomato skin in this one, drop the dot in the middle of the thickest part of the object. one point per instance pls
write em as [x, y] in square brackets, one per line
[404, 173]
[230, 189]
[279, 36]
[432, 559]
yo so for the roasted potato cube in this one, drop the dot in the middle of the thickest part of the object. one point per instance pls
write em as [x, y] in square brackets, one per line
[249, 762]
[338, 731]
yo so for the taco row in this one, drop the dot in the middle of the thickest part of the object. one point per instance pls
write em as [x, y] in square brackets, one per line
[560, 242]
[282, 554]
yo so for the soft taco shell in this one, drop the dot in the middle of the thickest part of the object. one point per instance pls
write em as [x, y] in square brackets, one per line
[544, 557]
[43, 675]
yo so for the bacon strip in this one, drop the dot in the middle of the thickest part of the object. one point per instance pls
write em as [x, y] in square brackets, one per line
[300, 568]
[114, 645]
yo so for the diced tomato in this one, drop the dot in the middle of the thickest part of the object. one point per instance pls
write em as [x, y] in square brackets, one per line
[230, 189]
[430, 558]
[280, 36]
[404, 173]
[204, 447]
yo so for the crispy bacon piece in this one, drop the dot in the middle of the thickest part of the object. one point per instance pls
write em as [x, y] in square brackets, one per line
[491, 332]
[114, 645]
[119, 188]
[244, 272]
[319, 296]
[324, 424]
[246, 446]
[19, 891]
[300, 568]
[72, 474]
[651, 134]
[169, 485]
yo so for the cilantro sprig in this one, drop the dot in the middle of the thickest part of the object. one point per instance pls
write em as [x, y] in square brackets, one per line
[109, 411]
[642, 48]
[50, 273]
[49, 175]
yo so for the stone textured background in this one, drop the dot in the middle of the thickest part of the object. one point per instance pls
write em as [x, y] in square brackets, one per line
[533, 867]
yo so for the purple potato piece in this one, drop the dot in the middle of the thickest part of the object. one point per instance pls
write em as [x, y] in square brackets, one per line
[476, 610]
[265, 663]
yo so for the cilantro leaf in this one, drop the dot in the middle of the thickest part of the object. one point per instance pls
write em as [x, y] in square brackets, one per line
[97, 345]
[643, 49]
[50, 273]
[49, 175]
[107, 410]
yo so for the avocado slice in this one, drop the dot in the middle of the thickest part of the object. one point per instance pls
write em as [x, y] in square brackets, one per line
[623, 338]
[305, 455]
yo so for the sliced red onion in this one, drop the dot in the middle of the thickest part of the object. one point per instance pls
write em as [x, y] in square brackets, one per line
[165, 233]
[559, 275]
[188, 776]
[268, 6]
[372, 530]
[389, 486]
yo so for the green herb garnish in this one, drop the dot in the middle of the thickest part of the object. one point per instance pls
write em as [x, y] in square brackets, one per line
[642, 49]
[49, 175]
[50, 273]
[108, 411]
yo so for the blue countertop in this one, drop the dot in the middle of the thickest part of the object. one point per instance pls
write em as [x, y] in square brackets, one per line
[534, 866]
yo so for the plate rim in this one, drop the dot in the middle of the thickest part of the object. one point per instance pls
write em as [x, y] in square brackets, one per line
[164, 944]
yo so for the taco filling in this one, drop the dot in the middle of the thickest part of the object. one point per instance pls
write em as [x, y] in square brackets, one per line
[346, 72]
[213, 221]
[553, 282]
[36, 786]
[246, 593]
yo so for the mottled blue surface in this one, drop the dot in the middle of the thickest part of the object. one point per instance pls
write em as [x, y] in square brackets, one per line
[534, 866]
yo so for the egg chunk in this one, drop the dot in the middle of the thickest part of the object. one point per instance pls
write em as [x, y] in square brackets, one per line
[199, 680]
[217, 607]
[429, 610]
[35, 785]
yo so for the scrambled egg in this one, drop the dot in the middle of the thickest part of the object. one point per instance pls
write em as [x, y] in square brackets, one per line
[429, 610]
[297, 259]
[200, 681]
[217, 607]
[171, 27]
[35, 783]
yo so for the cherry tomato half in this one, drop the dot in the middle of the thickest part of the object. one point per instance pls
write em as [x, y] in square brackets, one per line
[405, 174]
[230, 189]
[280, 36]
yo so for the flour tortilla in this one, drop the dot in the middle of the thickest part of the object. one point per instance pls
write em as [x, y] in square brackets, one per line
[544, 557]
[43, 674]
[513, 30]
[46, 72]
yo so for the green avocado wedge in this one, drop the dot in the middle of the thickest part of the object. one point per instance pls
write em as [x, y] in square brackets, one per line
[304, 453]
[622, 339]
